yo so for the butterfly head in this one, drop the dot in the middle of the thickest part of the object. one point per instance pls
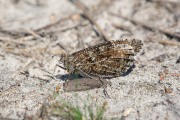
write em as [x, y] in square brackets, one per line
[64, 58]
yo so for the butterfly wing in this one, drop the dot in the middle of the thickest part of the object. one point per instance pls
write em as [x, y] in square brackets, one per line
[108, 59]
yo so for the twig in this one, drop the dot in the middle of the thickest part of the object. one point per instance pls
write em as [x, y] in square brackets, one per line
[70, 27]
[168, 33]
[31, 32]
[36, 35]
[26, 38]
[19, 41]
[9, 33]
[88, 16]
[29, 35]
[53, 24]
[165, 42]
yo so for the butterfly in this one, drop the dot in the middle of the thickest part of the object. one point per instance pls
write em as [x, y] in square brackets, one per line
[107, 59]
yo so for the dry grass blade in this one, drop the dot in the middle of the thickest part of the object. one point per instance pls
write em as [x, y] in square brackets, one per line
[166, 42]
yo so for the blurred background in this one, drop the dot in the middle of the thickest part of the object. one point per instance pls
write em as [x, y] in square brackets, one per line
[34, 33]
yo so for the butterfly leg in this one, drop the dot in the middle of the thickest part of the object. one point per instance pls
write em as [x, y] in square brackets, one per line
[100, 78]
[53, 77]
[66, 79]
[104, 87]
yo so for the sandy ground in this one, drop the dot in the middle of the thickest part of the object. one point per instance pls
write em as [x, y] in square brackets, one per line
[33, 34]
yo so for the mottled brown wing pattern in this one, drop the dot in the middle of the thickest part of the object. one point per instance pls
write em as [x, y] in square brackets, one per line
[108, 59]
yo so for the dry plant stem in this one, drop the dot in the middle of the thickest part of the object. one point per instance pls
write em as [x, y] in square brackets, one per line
[70, 27]
[88, 15]
[9, 33]
[166, 42]
[36, 35]
[29, 37]
[16, 41]
[55, 23]
[169, 33]
[33, 33]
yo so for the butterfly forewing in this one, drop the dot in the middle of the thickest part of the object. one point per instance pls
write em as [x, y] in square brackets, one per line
[108, 59]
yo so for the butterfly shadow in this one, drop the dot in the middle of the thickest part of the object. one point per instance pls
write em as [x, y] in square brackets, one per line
[77, 82]
[129, 70]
